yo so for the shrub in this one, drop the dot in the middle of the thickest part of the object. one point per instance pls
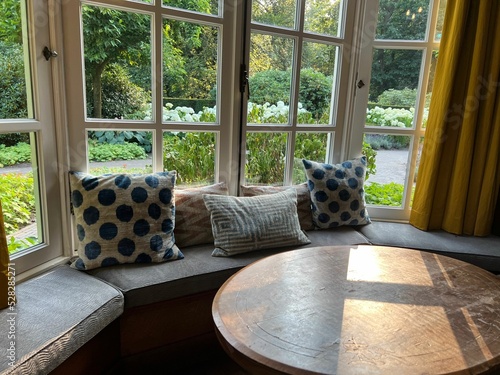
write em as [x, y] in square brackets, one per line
[273, 86]
[13, 103]
[12, 155]
[390, 194]
[405, 97]
[108, 152]
[18, 200]
[141, 138]
[12, 139]
[191, 154]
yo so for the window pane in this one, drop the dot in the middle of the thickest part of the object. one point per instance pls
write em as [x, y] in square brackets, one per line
[265, 168]
[310, 146]
[385, 187]
[440, 20]
[19, 191]
[15, 100]
[323, 17]
[200, 6]
[316, 76]
[192, 155]
[275, 13]
[270, 79]
[430, 86]
[393, 87]
[189, 71]
[112, 151]
[405, 19]
[117, 49]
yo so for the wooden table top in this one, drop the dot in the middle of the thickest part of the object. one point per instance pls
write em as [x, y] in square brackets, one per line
[360, 310]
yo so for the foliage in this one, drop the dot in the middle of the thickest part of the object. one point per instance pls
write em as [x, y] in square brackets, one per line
[371, 158]
[398, 68]
[265, 167]
[405, 97]
[18, 200]
[12, 155]
[121, 98]
[117, 151]
[13, 103]
[112, 36]
[142, 138]
[10, 22]
[390, 194]
[315, 92]
[273, 86]
[191, 154]
[17, 244]
[12, 139]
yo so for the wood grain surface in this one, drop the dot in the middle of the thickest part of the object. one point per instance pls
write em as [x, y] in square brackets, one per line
[360, 310]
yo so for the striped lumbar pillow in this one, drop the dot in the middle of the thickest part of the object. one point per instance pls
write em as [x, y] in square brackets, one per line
[243, 224]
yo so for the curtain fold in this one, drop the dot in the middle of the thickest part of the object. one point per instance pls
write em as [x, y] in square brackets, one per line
[459, 174]
[4, 264]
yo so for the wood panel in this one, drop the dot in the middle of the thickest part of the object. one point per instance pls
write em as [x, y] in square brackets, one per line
[152, 326]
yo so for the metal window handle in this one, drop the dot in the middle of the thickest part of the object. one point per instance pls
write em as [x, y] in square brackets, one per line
[360, 84]
[48, 53]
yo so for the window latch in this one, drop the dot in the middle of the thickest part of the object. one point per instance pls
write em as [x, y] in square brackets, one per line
[244, 81]
[47, 53]
[360, 84]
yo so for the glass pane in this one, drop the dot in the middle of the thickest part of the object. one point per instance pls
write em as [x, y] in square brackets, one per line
[200, 6]
[386, 180]
[274, 12]
[189, 71]
[19, 191]
[270, 79]
[119, 151]
[117, 50]
[15, 101]
[192, 155]
[417, 165]
[430, 86]
[323, 17]
[265, 168]
[404, 19]
[440, 20]
[310, 146]
[393, 87]
[316, 76]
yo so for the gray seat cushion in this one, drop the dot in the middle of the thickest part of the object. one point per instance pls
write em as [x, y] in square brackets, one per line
[199, 272]
[481, 251]
[56, 314]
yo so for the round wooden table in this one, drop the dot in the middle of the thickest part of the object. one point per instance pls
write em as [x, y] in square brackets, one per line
[360, 310]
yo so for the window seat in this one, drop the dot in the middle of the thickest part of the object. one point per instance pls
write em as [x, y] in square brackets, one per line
[56, 314]
[164, 310]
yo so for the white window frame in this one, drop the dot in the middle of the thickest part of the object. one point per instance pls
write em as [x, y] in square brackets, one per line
[46, 109]
[365, 39]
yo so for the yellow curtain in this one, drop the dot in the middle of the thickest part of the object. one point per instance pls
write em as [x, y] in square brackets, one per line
[4, 264]
[459, 173]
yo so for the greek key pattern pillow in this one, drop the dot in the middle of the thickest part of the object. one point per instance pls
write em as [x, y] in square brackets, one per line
[123, 218]
[192, 219]
[337, 193]
[303, 200]
[243, 224]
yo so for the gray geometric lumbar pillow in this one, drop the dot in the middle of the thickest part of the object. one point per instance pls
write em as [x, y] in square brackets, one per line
[243, 224]
[123, 218]
[337, 193]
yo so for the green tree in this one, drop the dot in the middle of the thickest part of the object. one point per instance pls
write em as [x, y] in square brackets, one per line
[13, 103]
[112, 36]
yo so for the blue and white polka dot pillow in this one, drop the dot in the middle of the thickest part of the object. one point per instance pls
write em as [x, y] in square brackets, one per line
[337, 193]
[124, 218]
